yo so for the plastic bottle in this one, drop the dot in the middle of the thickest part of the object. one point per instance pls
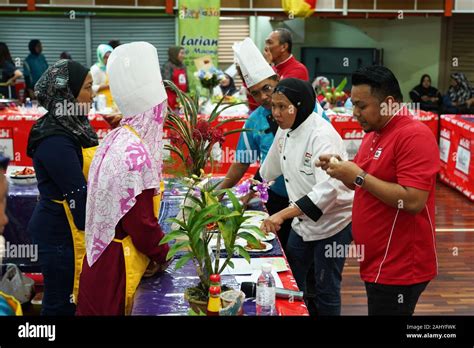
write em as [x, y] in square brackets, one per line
[266, 291]
[214, 304]
[28, 103]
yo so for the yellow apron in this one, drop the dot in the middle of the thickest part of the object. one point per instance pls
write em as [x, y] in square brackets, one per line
[108, 96]
[136, 262]
[13, 303]
[78, 237]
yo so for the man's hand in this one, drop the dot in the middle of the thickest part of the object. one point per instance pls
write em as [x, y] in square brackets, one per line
[345, 171]
[425, 98]
[267, 55]
[247, 198]
[272, 224]
[325, 160]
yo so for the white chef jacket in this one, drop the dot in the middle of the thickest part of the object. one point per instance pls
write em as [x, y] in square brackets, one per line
[293, 154]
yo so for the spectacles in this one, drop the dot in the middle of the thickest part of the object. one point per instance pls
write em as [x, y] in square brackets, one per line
[267, 89]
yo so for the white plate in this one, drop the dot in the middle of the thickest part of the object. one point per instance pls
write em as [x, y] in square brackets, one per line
[256, 213]
[23, 179]
[268, 247]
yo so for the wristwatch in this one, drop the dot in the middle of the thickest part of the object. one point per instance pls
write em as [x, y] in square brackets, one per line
[359, 180]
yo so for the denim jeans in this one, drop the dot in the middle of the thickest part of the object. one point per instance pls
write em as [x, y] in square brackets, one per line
[57, 266]
[327, 269]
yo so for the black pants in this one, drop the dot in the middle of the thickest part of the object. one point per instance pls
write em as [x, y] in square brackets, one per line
[393, 299]
[274, 205]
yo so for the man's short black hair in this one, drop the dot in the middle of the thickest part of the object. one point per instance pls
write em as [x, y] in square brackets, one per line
[381, 80]
[285, 37]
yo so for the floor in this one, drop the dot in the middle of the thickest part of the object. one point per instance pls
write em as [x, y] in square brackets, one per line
[452, 292]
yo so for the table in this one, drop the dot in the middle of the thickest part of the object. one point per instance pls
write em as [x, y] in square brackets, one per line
[351, 131]
[457, 161]
[163, 294]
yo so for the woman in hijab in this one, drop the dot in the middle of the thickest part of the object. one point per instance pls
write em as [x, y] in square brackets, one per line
[174, 70]
[61, 144]
[320, 206]
[459, 98]
[8, 73]
[122, 230]
[227, 85]
[99, 75]
[34, 66]
[425, 94]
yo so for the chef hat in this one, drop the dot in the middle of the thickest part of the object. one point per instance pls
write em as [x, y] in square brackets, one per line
[135, 78]
[252, 64]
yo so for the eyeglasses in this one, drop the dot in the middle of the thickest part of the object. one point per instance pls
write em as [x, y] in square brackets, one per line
[267, 89]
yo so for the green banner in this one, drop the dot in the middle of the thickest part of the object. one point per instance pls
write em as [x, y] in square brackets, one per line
[198, 33]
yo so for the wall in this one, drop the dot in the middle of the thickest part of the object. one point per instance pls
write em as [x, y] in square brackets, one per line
[411, 46]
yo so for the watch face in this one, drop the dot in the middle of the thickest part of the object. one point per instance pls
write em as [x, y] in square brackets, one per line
[359, 181]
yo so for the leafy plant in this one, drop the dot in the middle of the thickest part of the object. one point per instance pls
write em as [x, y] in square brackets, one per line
[205, 217]
[192, 137]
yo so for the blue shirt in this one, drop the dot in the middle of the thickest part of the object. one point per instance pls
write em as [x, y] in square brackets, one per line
[34, 67]
[254, 144]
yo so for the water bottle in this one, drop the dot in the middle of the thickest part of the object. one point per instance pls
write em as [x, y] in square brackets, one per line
[266, 291]
[28, 103]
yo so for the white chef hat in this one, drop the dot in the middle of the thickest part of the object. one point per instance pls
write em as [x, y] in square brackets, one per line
[135, 78]
[252, 64]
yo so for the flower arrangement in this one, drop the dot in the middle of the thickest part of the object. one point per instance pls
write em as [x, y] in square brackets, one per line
[209, 78]
[253, 186]
[204, 218]
[335, 95]
[192, 138]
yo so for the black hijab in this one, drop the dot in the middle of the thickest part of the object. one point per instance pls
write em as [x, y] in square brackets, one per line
[301, 94]
[430, 91]
[57, 90]
[32, 46]
[173, 53]
[230, 89]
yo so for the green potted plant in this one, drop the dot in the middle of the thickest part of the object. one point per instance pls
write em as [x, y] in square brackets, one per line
[192, 137]
[208, 218]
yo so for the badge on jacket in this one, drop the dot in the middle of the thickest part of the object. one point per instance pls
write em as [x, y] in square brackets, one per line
[307, 159]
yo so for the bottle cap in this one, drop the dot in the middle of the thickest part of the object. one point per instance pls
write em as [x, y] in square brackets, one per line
[267, 267]
[215, 290]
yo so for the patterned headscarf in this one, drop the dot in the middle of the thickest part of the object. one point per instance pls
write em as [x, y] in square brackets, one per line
[126, 164]
[57, 90]
[101, 52]
[462, 92]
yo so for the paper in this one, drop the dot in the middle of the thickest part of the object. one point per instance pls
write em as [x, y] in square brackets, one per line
[241, 266]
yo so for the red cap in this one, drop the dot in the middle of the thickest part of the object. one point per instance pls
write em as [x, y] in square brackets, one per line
[215, 290]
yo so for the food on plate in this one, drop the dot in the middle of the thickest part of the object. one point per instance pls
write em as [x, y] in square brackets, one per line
[24, 172]
[261, 246]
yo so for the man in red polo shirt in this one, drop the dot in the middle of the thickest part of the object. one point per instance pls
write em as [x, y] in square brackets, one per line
[394, 178]
[278, 47]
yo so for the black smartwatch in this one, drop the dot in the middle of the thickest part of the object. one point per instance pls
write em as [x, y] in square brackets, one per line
[359, 180]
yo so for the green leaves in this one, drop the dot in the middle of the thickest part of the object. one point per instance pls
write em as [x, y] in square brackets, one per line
[178, 246]
[183, 260]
